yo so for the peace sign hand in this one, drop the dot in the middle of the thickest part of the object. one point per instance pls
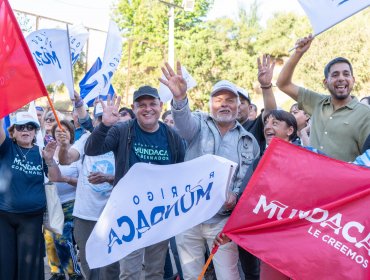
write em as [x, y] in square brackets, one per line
[175, 82]
[110, 110]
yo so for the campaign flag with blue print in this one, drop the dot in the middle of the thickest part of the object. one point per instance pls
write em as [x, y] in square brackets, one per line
[324, 14]
[54, 54]
[152, 203]
[112, 57]
[85, 88]
[50, 50]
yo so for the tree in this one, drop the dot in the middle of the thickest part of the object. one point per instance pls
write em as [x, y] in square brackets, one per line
[145, 23]
[226, 49]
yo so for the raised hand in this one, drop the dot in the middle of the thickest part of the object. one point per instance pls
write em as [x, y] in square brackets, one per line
[265, 70]
[175, 82]
[49, 150]
[303, 44]
[110, 110]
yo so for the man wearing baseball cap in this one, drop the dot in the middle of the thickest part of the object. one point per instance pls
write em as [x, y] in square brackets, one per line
[217, 133]
[131, 141]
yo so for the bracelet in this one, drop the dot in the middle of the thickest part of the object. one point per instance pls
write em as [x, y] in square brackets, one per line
[266, 87]
[79, 103]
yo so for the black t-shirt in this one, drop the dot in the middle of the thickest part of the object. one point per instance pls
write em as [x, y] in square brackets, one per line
[150, 147]
[256, 129]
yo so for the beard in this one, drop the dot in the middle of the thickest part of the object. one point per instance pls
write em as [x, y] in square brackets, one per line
[339, 96]
[224, 118]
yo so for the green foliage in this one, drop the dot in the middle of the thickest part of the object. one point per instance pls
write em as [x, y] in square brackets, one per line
[228, 49]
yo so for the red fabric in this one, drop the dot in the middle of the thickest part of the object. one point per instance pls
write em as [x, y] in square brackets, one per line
[20, 81]
[292, 177]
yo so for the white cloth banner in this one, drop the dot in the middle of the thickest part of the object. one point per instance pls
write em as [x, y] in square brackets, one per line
[112, 57]
[50, 50]
[164, 92]
[152, 203]
[53, 55]
[324, 14]
[78, 36]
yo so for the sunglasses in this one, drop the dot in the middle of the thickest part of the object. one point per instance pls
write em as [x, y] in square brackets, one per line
[123, 114]
[27, 127]
[49, 120]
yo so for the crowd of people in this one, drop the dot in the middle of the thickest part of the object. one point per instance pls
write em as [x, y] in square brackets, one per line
[89, 154]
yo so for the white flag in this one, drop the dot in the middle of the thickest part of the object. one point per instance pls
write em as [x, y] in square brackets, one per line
[50, 50]
[152, 203]
[164, 92]
[78, 36]
[112, 57]
[324, 14]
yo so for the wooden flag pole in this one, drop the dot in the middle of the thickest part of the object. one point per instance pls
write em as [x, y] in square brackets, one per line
[213, 252]
[54, 112]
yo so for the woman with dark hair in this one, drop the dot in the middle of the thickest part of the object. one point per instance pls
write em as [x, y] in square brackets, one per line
[303, 124]
[168, 119]
[22, 201]
[281, 124]
[60, 250]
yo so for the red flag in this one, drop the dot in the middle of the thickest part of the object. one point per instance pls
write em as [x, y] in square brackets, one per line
[20, 81]
[305, 214]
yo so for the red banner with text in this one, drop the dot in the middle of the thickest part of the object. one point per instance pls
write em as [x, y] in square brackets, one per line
[306, 215]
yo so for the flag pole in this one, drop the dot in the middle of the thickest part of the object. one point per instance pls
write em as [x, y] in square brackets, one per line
[70, 56]
[54, 112]
[213, 252]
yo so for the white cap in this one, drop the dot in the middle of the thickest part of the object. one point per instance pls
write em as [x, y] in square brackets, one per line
[23, 118]
[224, 85]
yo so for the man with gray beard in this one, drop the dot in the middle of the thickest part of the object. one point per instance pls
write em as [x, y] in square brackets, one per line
[217, 133]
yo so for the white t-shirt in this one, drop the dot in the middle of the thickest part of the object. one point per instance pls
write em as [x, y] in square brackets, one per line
[91, 198]
[67, 192]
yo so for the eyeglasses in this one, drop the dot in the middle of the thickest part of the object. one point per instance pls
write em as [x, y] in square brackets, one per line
[49, 120]
[22, 127]
[123, 114]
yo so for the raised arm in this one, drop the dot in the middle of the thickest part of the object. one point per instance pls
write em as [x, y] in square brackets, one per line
[54, 173]
[79, 106]
[2, 131]
[185, 122]
[265, 73]
[284, 81]
[100, 141]
[66, 154]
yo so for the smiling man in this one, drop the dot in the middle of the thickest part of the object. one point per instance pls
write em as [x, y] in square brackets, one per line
[143, 139]
[217, 133]
[340, 123]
